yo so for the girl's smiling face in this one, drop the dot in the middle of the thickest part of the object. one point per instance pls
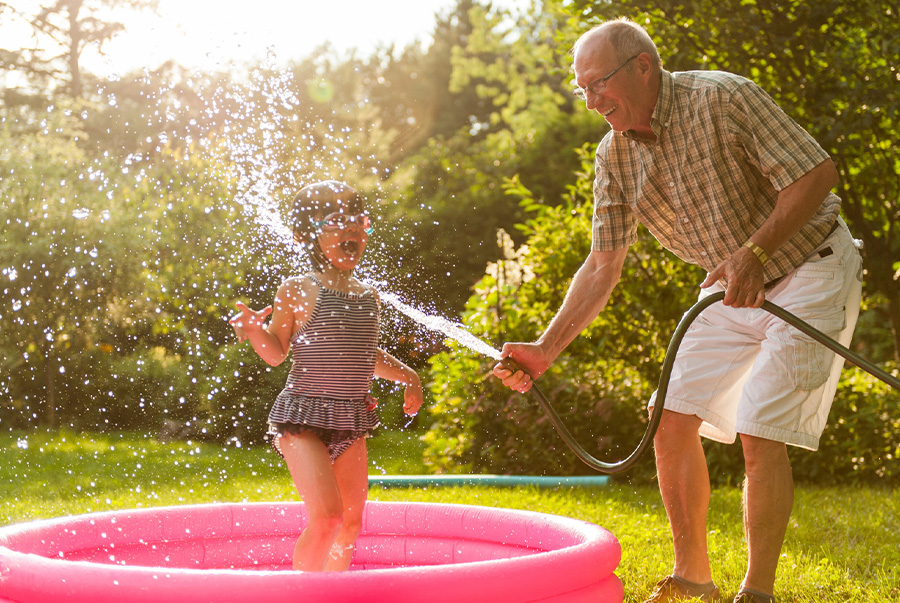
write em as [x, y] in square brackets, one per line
[330, 220]
[342, 237]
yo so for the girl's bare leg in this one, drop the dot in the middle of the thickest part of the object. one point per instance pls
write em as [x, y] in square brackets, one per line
[352, 472]
[313, 474]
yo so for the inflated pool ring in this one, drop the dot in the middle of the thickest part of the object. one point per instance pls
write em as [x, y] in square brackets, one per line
[217, 553]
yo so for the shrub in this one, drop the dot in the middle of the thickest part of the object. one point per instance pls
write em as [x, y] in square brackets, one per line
[862, 440]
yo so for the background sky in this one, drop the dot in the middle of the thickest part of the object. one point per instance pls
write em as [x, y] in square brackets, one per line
[212, 34]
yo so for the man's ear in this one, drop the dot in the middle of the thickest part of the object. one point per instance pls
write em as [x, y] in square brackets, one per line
[643, 61]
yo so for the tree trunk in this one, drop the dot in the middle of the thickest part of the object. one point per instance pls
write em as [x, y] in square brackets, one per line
[75, 36]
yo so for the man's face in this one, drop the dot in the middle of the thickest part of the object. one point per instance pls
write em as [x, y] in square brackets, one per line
[618, 98]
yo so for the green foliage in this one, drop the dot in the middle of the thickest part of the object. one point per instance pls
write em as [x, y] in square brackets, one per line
[62, 31]
[521, 121]
[128, 246]
[115, 291]
[861, 442]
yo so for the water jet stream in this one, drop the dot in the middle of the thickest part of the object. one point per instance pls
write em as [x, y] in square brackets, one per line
[439, 323]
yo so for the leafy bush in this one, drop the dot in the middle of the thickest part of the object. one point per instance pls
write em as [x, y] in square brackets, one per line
[862, 441]
[115, 286]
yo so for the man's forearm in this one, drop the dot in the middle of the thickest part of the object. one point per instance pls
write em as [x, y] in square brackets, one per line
[796, 205]
[587, 296]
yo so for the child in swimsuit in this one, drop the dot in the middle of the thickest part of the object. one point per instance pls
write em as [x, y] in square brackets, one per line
[329, 322]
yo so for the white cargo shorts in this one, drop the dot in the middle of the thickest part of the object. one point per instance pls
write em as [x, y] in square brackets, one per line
[744, 370]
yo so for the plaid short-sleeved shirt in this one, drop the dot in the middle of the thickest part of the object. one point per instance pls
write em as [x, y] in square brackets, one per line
[711, 178]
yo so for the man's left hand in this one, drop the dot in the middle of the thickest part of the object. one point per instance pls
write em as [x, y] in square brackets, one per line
[742, 275]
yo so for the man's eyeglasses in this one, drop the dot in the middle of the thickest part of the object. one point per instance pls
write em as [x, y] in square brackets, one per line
[599, 84]
[340, 221]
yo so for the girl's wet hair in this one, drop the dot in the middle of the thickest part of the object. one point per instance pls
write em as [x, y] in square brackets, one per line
[314, 202]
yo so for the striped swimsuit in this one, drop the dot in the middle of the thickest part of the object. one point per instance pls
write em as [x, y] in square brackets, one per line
[333, 357]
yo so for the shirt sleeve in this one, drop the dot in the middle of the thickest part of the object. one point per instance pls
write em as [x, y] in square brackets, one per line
[773, 142]
[614, 224]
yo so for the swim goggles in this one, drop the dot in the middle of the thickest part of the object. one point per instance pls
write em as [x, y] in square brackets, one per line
[340, 221]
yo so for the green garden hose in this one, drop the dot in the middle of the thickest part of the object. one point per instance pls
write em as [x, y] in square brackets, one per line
[669, 360]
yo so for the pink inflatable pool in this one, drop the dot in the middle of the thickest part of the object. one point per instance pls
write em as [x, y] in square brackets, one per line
[408, 552]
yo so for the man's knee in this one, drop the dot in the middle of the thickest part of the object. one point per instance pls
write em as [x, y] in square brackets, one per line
[676, 427]
[676, 436]
[762, 455]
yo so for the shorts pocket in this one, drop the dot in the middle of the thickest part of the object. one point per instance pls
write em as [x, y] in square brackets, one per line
[824, 272]
[810, 361]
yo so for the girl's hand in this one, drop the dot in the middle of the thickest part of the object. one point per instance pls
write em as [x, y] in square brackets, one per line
[248, 320]
[413, 397]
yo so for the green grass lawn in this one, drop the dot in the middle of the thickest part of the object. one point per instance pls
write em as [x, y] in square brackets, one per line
[843, 543]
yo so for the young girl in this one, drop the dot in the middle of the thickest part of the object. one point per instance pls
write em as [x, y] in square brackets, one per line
[329, 322]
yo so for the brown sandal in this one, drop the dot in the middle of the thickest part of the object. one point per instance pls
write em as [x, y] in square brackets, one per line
[669, 590]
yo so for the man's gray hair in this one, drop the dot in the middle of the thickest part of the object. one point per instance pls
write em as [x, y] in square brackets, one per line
[625, 36]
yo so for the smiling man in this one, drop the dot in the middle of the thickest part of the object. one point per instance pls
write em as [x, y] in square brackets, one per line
[725, 180]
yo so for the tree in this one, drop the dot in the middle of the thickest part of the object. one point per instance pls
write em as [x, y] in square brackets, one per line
[452, 199]
[60, 265]
[114, 285]
[411, 89]
[62, 31]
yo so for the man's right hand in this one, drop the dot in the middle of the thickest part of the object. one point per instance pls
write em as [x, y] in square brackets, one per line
[532, 362]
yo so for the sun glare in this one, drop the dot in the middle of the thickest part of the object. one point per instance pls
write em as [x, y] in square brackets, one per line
[213, 35]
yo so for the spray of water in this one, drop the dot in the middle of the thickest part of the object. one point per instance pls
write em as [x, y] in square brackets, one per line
[256, 172]
[452, 330]
[132, 259]
[116, 288]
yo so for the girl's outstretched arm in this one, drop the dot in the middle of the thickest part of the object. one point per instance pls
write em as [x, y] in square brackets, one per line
[291, 309]
[388, 367]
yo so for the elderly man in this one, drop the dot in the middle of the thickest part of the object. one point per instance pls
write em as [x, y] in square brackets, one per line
[725, 180]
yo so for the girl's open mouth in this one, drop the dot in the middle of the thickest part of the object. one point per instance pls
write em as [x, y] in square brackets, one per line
[350, 246]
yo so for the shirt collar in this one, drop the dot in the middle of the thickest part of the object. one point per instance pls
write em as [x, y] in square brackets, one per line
[662, 113]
